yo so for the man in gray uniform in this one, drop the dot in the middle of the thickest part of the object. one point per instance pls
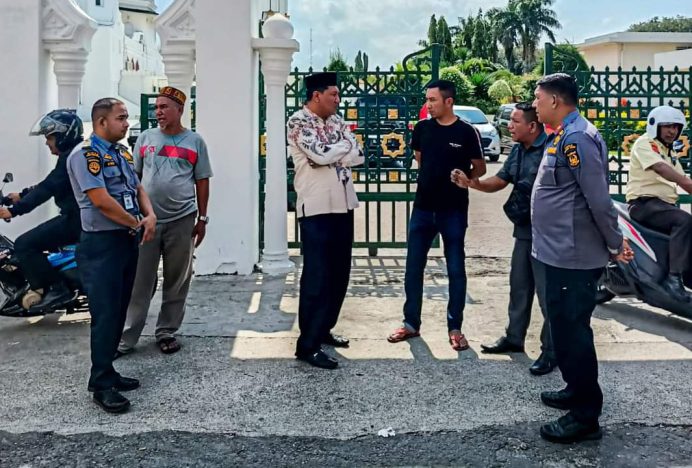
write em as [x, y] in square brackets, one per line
[575, 233]
[111, 202]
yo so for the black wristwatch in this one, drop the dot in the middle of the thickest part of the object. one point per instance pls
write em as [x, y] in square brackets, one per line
[204, 219]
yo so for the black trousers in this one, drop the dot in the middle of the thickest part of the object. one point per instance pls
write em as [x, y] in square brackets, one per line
[663, 217]
[570, 298]
[522, 285]
[326, 241]
[29, 247]
[107, 265]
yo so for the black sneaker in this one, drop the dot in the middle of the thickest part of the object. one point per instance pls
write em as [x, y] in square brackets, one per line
[58, 295]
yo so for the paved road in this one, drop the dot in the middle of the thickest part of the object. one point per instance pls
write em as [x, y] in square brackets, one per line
[235, 396]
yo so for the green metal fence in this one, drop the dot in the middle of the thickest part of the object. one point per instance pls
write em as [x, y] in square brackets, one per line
[381, 106]
[618, 102]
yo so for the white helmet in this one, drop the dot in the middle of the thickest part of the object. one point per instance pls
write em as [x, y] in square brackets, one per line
[664, 115]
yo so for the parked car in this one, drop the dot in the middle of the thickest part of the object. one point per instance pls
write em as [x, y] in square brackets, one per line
[501, 122]
[490, 139]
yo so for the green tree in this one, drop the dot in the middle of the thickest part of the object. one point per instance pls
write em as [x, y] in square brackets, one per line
[483, 41]
[665, 24]
[537, 18]
[337, 62]
[506, 26]
[366, 61]
[462, 83]
[444, 37]
[501, 91]
[566, 58]
[358, 66]
[432, 33]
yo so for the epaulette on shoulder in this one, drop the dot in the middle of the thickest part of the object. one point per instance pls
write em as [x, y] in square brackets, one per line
[88, 151]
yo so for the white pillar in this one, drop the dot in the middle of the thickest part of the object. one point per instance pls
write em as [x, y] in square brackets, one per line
[66, 33]
[226, 95]
[69, 67]
[276, 53]
[177, 30]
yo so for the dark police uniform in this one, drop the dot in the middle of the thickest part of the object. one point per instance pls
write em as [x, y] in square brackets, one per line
[107, 252]
[522, 284]
[57, 232]
[575, 230]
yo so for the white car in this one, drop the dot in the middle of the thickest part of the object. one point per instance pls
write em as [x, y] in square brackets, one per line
[490, 139]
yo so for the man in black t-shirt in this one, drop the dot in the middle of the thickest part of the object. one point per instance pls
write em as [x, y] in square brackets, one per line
[443, 146]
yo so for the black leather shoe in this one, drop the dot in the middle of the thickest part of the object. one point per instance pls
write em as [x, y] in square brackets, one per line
[337, 341]
[57, 295]
[568, 430]
[503, 345]
[562, 399]
[543, 365]
[674, 286]
[319, 359]
[111, 401]
[124, 384]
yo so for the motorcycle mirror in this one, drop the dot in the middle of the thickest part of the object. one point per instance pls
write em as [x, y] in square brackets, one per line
[8, 178]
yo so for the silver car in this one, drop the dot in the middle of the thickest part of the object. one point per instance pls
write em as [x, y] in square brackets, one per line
[490, 139]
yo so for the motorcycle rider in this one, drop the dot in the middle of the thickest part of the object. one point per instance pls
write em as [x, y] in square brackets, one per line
[655, 174]
[62, 129]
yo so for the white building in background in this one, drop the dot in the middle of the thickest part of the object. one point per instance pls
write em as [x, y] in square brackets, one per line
[124, 61]
[638, 49]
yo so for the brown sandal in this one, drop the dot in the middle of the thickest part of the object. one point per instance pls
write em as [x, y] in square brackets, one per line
[168, 345]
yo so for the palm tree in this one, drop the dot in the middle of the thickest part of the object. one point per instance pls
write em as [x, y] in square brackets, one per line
[506, 25]
[537, 18]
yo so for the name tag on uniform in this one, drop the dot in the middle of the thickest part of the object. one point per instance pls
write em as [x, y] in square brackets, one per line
[128, 201]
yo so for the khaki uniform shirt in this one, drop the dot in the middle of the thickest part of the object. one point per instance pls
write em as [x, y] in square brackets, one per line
[643, 180]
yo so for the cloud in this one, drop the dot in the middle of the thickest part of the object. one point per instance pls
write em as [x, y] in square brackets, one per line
[386, 29]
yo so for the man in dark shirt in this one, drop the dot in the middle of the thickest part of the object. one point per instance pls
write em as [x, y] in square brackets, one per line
[443, 145]
[520, 170]
[63, 131]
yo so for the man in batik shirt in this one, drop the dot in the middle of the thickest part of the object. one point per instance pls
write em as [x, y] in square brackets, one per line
[323, 151]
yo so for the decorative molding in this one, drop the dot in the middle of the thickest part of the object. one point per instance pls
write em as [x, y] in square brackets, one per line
[66, 27]
[177, 24]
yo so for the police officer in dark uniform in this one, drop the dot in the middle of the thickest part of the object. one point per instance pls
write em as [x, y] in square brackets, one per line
[575, 232]
[111, 202]
[63, 131]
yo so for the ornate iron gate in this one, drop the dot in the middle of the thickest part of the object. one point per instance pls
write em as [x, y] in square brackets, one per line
[618, 102]
[382, 106]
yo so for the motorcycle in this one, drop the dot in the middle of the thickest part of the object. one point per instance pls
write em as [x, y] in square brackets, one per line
[16, 295]
[644, 275]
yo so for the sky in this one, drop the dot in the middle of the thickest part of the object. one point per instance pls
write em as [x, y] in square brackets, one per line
[390, 29]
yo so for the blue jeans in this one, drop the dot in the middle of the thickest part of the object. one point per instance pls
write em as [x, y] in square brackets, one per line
[423, 227]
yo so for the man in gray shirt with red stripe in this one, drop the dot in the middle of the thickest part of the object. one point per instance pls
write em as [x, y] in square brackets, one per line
[173, 164]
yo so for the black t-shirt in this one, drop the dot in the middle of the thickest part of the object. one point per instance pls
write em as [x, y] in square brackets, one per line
[444, 148]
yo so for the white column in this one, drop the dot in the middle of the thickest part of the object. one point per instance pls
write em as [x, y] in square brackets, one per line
[226, 95]
[177, 29]
[66, 34]
[276, 53]
[69, 68]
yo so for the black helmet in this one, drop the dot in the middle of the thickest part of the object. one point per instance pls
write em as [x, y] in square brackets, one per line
[64, 124]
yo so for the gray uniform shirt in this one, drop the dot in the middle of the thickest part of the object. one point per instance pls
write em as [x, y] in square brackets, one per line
[100, 164]
[170, 165]
[530, 160]
[573, 218]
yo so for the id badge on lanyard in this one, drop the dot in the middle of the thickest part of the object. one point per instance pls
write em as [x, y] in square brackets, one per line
[128, 202]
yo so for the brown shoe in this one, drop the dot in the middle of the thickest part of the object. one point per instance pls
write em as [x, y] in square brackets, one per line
[458, 341]
[402, 334]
